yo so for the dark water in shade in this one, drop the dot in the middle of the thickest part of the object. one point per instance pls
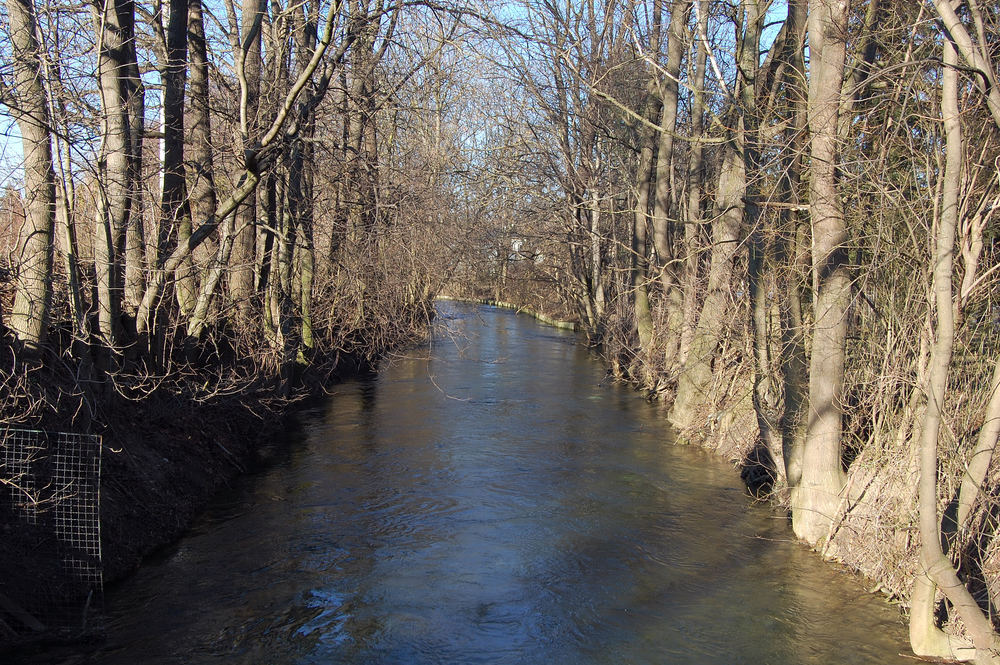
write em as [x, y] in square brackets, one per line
[492, 503]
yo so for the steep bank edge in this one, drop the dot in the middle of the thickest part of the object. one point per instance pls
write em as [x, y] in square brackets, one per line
[163, 467]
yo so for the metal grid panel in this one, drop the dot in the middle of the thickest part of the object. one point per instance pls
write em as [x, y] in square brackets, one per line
[50, 545]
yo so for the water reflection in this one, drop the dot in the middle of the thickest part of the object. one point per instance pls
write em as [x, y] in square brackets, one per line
[485, 500]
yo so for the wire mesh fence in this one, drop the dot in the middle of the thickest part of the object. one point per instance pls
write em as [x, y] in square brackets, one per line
[51, 578]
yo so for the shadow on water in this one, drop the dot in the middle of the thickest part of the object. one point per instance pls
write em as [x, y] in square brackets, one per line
[488, 499]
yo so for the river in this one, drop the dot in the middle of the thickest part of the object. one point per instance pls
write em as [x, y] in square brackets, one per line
[488, 499]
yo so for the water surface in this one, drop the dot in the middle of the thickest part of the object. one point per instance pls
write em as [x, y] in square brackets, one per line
[488, 500]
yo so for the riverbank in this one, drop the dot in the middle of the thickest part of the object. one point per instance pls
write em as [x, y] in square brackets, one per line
[167, 455]
[162, 468]
[169, 443]
[166, 448]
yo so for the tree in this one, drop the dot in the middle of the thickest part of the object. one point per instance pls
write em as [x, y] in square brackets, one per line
[816, 498]
[735, 212]
[119, 162]
[937, 571]
[248, 58]
[29, 316]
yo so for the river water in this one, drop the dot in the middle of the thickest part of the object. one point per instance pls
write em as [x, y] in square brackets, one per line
[487, 499]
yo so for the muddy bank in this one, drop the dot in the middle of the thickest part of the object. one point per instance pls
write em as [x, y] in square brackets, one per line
[162, 468]
[164, 458]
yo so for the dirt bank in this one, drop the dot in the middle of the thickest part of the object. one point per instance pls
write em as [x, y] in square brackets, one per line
[166, 456]
[164, 461]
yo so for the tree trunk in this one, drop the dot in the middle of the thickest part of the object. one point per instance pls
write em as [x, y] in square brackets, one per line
[732, 206]
[640, 223]
[695, 381]
[174, 212]
[154, 289]
[641, 211]
[816, 499]
[937, 569]
[113, 21]
[137, 260]
[360, 129]
[668, 122]
[201, 174]
[979, 462]
[693, 219]
[662, 237]
[285, 250]
[792, 259]
[269, 205]
[596, 264]
[306, 250]
[244, 256]
[199, 315]
[759, 246]
[33, 295]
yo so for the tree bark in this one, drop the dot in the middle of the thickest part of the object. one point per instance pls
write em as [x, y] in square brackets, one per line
[693, 218]
[640, 224]
[243, 257]
[33, 295]
[114, 20]
[792, 257]
[816, 498]
[695, 381]
[668, 122]
[136, 257]
[760, 247]
[360, 124]
[175, 214]
[937, 569]
[986, 443]
[641, 214]
[662, 236]
[306, 255]
[198, 127]
[735, 207]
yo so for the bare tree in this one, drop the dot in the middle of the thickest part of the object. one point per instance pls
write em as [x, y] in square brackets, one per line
[29, 316]
[815, 500]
